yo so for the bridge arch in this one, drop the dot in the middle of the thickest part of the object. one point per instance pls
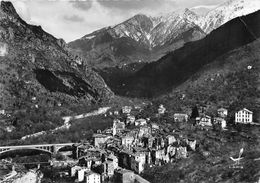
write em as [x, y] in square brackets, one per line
[64, 148]
[45, 148]
[24, 151]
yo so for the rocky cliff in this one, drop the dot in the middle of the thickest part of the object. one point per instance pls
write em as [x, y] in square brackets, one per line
[35, 67]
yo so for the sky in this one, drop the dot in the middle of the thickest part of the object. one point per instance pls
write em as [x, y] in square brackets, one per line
[71, 20]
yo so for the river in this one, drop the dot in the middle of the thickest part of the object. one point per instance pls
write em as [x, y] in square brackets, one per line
[68, 119]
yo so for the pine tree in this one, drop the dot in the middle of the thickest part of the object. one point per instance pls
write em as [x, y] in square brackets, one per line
[194, 113]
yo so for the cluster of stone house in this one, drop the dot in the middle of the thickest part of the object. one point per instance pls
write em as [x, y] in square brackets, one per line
[208, 121]
[119, 153]
[243, 116]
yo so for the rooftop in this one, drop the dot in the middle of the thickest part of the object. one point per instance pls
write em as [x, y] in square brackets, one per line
[90, 173]
[245, 109]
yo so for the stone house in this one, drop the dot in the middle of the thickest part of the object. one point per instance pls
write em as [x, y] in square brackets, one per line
[138, 161]
[114, 159]
[204, 120]
[160, 154]
[222, 112]
[126, 109]
[127, 141]
[124, 176]
[161, 109]
[144, 131]
[154, 126]
[100, 139]
[85, 161]
[118, 126]
[180, 117]
[74, 170]
[220, 121]
[109, 168]
[81, 174]
[92, 177]
[191, 144]
[171, 150]
[170, 139]
[140, 122]
[124, 159]
[130, 119]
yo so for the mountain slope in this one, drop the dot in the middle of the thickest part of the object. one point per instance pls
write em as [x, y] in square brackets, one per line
[37, 68]
[232, 80]
[176, 67]
[141, 38]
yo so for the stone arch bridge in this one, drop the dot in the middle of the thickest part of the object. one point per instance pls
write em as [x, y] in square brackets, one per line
[49, 148]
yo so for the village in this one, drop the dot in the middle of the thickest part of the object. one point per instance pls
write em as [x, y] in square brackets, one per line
[133, 143]
[121, 153]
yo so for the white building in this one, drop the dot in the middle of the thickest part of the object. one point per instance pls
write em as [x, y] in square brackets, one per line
[244, 116]
[2, 112]
[81, 174]
[92, 177]
[78, 171]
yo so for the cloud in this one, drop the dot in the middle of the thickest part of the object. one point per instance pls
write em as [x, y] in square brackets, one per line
[56, 16]
[192, 3]
[82, 5]
[203, 9]
[135, 4]
[73, 18]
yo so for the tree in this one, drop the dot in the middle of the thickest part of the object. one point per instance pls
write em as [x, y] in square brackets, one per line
[194, 113]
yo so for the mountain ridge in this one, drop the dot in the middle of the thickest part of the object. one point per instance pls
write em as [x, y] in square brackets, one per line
[151, 37]
[176, 67]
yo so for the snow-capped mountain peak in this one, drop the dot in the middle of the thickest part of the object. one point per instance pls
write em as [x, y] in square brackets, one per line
[140, 36]
[148, 29]
[227, 11]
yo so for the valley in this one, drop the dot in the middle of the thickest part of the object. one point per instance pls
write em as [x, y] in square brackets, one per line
[167, 98]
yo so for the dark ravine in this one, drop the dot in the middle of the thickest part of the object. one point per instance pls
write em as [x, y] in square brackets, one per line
[162, 76]
[32, 58]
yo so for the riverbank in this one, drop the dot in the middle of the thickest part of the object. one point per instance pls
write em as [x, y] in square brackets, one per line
[67, 119]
